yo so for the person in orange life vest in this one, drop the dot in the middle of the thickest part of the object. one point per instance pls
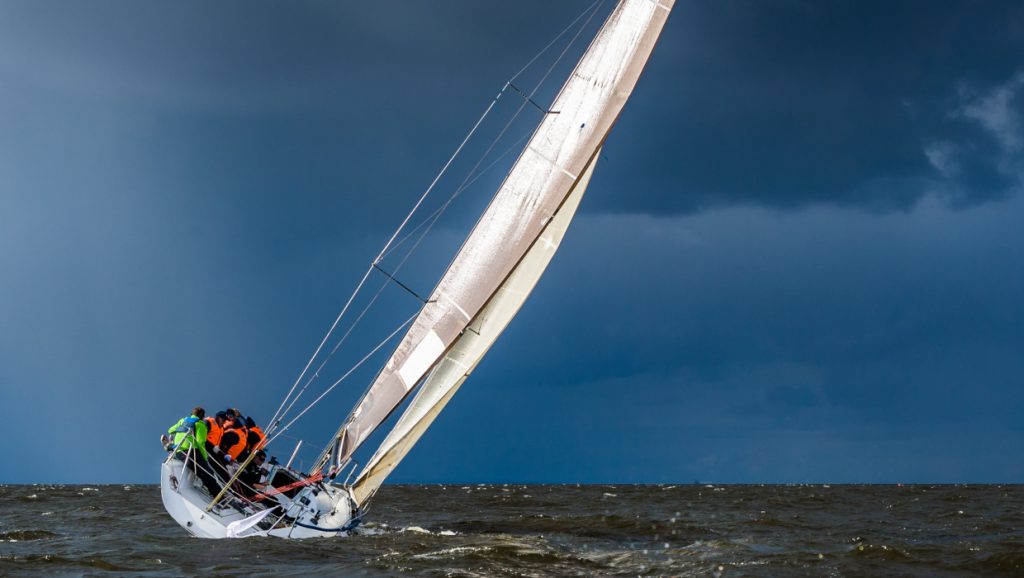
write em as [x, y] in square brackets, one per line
[234, 441]
[215, 426]
[234, 417]
[255, 435]
[214, 431]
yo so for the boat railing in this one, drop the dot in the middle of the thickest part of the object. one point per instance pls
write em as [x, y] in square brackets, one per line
[242, 493]
[351, 472]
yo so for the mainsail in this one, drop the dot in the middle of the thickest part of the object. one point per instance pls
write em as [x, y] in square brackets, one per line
[506, 252]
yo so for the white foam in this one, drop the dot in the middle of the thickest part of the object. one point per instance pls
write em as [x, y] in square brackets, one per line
[457, 550]
[416, 530]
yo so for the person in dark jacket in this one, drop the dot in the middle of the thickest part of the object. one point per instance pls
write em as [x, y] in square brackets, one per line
[250, 477]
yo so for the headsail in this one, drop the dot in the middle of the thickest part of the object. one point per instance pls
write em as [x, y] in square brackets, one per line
[558, 156]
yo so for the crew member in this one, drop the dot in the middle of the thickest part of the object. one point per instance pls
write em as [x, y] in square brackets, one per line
[214, 434]
[251, 476]
[189, 441]
[214, 431]
[234, 441]
[254, 440]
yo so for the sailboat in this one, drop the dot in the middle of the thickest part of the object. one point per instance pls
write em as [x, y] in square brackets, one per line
[490, 277]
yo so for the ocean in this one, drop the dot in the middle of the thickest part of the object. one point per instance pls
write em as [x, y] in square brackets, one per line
[544, 530]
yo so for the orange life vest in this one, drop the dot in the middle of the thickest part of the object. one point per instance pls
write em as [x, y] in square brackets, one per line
[213, 431]
[238, 447]
[255, 439]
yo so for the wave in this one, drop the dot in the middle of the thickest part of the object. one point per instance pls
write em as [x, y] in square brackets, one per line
[44, 563]
[587, 526]
[1010, 563]
[26, 535]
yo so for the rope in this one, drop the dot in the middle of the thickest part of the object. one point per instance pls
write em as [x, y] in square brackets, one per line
[301, 483]
[238, 472]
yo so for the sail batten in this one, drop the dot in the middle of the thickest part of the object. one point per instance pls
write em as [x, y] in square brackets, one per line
[544, 181]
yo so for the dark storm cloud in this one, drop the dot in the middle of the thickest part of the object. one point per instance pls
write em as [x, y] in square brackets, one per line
[781, 104]
[790, 103]
[745, 345]
[188, 191]
[303, 110]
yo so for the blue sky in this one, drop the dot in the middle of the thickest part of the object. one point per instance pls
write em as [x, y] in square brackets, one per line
[800, 259]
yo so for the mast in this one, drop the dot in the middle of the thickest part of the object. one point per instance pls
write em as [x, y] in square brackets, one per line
[500, 252]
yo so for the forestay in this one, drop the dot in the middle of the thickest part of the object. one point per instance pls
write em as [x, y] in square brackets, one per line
[556, 162]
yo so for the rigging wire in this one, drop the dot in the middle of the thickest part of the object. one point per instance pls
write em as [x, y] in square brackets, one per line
[334, 350]
[593, 7]
[277, 417]
[433, 217]
[528, 98]
[429, 221]
[337, 320]
[343, 377]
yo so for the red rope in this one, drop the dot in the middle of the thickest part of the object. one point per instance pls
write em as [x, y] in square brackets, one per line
[310, 480]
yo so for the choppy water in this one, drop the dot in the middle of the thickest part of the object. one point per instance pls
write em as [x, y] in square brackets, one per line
[497, 530]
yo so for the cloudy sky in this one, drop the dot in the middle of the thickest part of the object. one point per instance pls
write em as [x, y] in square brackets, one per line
[800, 259]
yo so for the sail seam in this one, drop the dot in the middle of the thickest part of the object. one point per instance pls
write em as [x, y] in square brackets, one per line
[461, 365]
[553, 163]
[455, 305]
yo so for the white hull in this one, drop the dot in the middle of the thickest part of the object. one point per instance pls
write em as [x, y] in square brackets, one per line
[318, 511]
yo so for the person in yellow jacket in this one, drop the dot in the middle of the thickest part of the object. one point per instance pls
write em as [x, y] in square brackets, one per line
[189, 442]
